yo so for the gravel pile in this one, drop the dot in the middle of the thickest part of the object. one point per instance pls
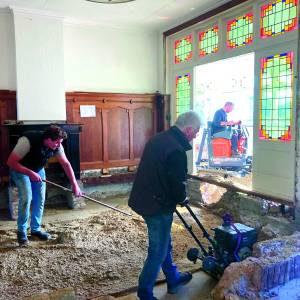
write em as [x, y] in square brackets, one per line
[99, 255]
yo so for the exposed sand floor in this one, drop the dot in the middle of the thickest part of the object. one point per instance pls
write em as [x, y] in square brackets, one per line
[97, 254]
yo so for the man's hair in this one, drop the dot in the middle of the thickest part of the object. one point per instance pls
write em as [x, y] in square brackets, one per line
[54, 132]
[189, 118]
[229, 103]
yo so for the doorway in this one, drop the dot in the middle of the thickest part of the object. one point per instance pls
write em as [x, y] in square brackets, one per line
[225, 80]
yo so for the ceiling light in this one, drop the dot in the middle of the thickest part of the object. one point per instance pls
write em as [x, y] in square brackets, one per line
[110, 1]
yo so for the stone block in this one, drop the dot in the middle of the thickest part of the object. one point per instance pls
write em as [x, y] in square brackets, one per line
[291, 268]
[57, 196]
[282, 272]
[270, 276]
[263, 284]
[193, 191]
[287, 271]
[74, 202]
[276, 264]
[297, 266]
[276, 274]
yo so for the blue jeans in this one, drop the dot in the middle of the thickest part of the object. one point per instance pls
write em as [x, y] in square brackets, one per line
[29, 192]
[159, 254]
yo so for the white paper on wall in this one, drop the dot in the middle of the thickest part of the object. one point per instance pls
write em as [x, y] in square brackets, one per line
[87, 111]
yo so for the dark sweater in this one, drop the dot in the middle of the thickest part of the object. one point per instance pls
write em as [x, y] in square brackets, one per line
[220, 116]
[160, 181]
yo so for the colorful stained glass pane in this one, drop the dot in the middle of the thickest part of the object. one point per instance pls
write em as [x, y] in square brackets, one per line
[208, 41]
[183, 49]
[278, 17]
[240, 31]
[183, 93]
[276, 97]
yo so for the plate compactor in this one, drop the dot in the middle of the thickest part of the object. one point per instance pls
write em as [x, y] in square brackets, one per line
[232, 242]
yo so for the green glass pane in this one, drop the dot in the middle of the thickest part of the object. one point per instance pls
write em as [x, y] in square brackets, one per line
[281, 18]
[276, 97]
[209, 41]
[183, 50]
[285, 15]
[182, 94]
[293, 12]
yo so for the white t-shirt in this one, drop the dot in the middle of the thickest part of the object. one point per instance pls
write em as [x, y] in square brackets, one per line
[23, 147]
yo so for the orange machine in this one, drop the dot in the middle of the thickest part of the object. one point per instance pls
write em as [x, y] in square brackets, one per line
[221, 147]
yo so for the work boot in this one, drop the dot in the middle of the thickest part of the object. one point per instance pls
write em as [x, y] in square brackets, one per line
[43, 236]
[22, 239]
[183, 279]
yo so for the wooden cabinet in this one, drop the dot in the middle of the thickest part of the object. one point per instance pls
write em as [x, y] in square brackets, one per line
[115, 137]
[8, 111]
[123, 124]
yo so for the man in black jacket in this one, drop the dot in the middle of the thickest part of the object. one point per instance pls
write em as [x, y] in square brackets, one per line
[26, 163]
[159, 186]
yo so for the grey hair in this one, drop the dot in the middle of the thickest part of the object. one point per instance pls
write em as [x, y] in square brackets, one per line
[229, 103]
[187, 119]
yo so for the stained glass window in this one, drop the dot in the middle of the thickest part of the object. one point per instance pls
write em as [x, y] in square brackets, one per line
[240, 31]
[183, 93]
[278, 17]
[276, 95]
[208, 41]
[183, 49]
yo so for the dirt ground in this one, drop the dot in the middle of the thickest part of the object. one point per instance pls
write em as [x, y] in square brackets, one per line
[98, 255]
[212, 193]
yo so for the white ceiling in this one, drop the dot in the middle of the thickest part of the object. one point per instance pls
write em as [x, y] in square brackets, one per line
[141, 14]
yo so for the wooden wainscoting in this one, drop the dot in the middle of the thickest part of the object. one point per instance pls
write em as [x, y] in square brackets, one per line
[8, 111]
[116, 136]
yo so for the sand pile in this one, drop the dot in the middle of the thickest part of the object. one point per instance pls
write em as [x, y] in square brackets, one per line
[96, 256]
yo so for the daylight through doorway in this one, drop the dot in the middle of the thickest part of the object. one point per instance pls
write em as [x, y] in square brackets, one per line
[215, 83]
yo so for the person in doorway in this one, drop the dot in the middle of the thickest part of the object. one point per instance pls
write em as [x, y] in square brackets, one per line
[26, 162]
[158, 187]
[221, 128]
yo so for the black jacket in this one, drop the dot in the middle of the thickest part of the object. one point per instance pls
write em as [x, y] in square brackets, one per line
[38, 154]
[160, 181]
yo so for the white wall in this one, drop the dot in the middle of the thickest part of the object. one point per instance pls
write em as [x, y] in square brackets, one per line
[161, 63]
[110, 60]
[7, 51]
[39, 67]
[41, 58]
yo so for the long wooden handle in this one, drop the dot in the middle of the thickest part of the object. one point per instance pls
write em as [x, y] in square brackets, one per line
[87, 197]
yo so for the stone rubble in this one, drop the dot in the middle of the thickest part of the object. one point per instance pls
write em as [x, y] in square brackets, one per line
[274, 263]
[257, 213]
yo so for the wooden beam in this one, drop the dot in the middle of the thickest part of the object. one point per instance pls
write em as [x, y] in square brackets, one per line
[240, 189]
